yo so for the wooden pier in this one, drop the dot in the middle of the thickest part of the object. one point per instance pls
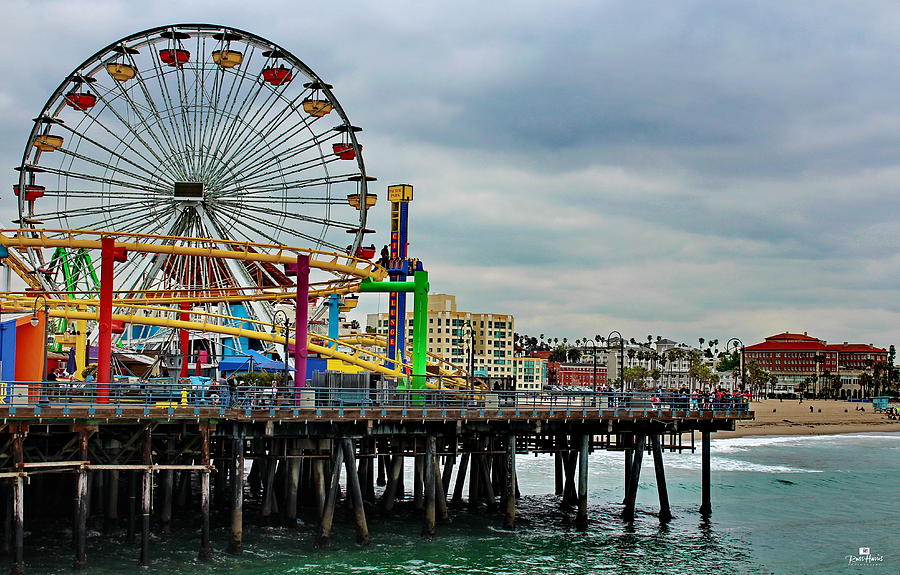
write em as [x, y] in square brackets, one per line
[131, 466]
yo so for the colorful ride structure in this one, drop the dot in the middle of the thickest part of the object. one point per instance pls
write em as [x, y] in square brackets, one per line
[216, 177]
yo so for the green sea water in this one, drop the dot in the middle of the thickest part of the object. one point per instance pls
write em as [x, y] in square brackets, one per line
[793, 505]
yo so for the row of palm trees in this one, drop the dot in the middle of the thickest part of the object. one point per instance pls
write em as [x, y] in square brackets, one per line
[653, 363]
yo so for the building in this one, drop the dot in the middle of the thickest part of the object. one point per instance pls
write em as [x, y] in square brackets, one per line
[580, 375]
[795, 359]
[451, 334]
[672, 359]
[531, 373]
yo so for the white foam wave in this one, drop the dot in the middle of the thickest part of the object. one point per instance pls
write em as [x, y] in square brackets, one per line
[733, 444]
[728, 464]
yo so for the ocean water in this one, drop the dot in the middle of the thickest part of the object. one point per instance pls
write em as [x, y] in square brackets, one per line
[792, 505]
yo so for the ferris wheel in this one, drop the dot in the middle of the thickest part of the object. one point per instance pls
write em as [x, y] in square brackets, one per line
[192, 131]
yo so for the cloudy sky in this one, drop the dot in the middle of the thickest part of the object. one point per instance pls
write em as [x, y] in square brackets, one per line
[690, 169]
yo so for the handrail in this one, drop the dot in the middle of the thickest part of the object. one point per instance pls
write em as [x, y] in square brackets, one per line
[182, 394]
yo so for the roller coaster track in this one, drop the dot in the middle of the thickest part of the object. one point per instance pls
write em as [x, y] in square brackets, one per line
[64, 309]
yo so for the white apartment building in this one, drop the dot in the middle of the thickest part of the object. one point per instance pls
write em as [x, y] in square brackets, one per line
[451, 333]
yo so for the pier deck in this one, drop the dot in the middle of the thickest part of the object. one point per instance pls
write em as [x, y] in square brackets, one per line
[142, 459]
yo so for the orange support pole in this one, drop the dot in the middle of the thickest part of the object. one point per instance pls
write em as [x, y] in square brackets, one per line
[104, 341]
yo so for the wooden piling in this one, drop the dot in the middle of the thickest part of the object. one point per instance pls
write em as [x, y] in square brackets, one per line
[146, 508]
[81, 504]
[558, 473]
[293, 484]
[268, 505]
[460, 477]
[419, 482]
[428, 526]
[665, 513]
[705, 471]
[205, 551]
[382, 475]
[393, 482]
[628, 512]
[7, 499]
[487, 487]
[167, 486]
[132, 504]
[112, 502]
[509, 491]
[570, 491]
[447, 474]
[440, 495]
[236, 542]
[318, 480]
[355, 492]
[581, 515]
[323, 539]
[629, 459]
[18, 513]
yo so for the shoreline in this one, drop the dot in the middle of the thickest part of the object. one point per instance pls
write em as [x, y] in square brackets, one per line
[801, 429]
[815, 417]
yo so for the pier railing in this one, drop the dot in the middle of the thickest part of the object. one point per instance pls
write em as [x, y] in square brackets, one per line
[181, 396]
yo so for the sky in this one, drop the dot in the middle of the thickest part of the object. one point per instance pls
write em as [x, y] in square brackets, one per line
[687, 169]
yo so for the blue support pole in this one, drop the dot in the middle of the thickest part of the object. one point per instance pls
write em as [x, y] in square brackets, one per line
[334, 317]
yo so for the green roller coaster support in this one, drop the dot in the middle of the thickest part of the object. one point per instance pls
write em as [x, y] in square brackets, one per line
[74, 269]
[419, 287]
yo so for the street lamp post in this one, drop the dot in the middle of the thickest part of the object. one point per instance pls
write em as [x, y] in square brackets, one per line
[34, 322]
[286, 322]
[738, 342]
[621, 356]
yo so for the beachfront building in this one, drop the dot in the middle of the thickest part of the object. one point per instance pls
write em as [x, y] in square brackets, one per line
[799, 360]
[453, 333]
[576, 375]
[530, 373]
[671, 358]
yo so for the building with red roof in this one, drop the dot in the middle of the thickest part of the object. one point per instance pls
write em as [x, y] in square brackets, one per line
[796, 358]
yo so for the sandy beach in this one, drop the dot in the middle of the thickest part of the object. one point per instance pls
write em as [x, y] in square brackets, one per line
[828, 417]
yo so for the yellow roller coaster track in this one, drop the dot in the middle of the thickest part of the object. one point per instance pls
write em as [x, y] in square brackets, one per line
[20, 238]
[64, 309]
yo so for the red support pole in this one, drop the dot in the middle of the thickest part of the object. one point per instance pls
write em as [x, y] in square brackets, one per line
[301, 324]
[104, 340]
[184, 340]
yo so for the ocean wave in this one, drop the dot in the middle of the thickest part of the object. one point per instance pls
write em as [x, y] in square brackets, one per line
[728, 464]
[733, 444]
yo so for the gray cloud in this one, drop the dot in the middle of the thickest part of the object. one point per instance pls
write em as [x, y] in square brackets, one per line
[691, 169]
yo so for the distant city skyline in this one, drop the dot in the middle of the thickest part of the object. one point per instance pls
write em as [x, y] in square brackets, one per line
[695, 170]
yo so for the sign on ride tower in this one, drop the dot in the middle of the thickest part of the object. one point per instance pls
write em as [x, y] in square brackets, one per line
[399, 195]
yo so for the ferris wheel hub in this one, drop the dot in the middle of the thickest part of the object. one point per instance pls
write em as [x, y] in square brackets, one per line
[189, 191]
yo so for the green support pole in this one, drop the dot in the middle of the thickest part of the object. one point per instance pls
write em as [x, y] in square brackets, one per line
[419, 286]
[420, 328]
